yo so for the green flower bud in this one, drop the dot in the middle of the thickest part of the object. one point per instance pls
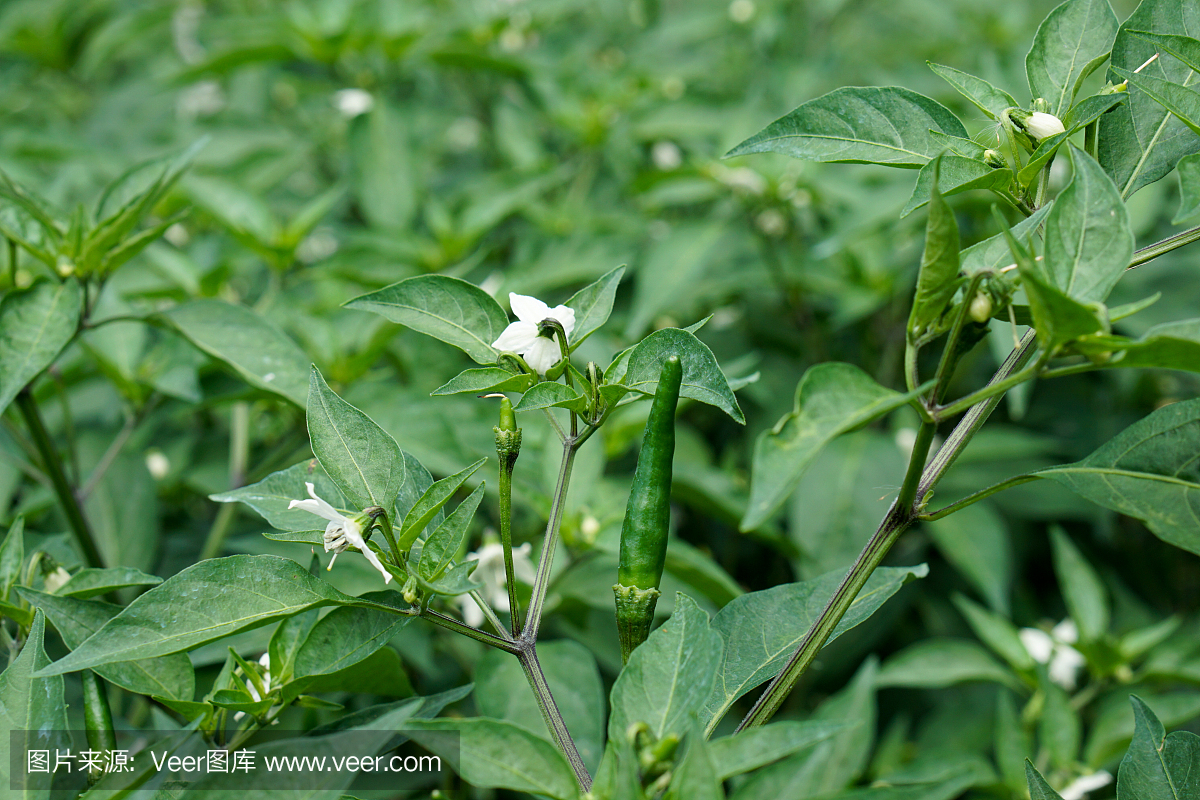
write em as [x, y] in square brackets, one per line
[994, 159]
[1040, 104]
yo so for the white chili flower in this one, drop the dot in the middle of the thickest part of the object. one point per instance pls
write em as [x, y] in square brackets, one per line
[352, 102]
[1087, 783]
[1055, 649]
[342, 532]
[55, 580]
[491, 572]
[524, 337]
[1038, 124]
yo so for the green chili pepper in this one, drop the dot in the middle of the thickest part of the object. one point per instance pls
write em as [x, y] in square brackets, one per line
[97, 717]
[648, 516]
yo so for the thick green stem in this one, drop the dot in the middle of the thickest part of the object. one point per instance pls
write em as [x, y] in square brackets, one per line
[52, 466]
[916, 464]
[995, 389]
[949, 353]
[533, 617]
[450, 623]
[1165, 246]
[551, 714]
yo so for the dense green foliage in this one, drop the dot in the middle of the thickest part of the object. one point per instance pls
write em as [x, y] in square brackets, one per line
[258, 263]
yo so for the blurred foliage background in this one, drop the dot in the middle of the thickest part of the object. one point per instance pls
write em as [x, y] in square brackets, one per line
[532, 146]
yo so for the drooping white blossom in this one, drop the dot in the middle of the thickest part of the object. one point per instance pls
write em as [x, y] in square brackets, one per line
[1055, 650]
[341, 533]
[524, 337]
[491, 572]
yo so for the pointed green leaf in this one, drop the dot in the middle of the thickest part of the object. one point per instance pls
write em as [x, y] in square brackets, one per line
[593, 304]
[271, 496]
[203, 603]
[34, 704]
[939, 662]
[1148, 471]
[757, 747]
[12, 556]
[1158, 766]
[358, 455]
[1071, 42]
[1059, 726]
[1038, 788]
[831, 399]
[983, 95]
[994, 252]
[497, 754]
[703, 379]
[92, 582]
[1181, 101]
[938, 279]
[669, 677]
[954, 175]
[430, 502]
[1058, 317]
[255, 347]
[997, 633]
[446, 308]
[695, 775]
[1172, 345]
[887, 125]
[443, 544]
[762, 629]
[344, 637]
[35, 325]
[551, 394]
[1081, 587]
[1140, 141]
[483, 380]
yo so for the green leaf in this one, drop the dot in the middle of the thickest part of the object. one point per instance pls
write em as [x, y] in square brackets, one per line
[1058, 317]
[1113, 728]
[1184, 103]
[954, 175]
[430, 503]
[887, 125]
[1184, 48]
[1038, 788]
[1158, 766]
[994, 253]
[1189, 188]
[1140, 141]
[1059, 726]
[485, 379]
[938, 279]
[762, 629]
[593, 304]
[380, 673]
[830, 766]
[1071, 42]
[170, 677]
[361, 457]
[12, 556]
[344, 637]
[669, 677]
[287, 639]
[983, 95]
[457, 580]
[551, 394]
[255, 347]
[1148, 471]
[831, 399]
[703, 379]
[937, 663]
[1172, 345]
[92, 582]
[385, 183]
[757, 747]
[446, 308]
[33, 704]
[975, 541]
[442, 545]
[996, 632]
[1088, 239]
[35, 325]
[695, 775]
[203, 603]
[1012, 743]
[271, 496]
[501, 691]
[1081, 586]
[497, 754]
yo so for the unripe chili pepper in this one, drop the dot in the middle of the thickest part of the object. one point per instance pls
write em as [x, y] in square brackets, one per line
[648, 516]
[97, 717]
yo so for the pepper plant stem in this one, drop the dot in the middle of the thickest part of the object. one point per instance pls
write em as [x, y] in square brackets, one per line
[514, 607]
[52, 466]
[533, 617]
[550, 713]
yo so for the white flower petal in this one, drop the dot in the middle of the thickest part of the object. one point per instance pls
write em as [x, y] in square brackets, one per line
[1065, 666]
[522, 566]
[517, 337]
[316, 506]
[565, 317]
[1038, 643]
[471, 613]
[529, 309]
[1066, 631]
[370, 554]
[542, 355]
[1084, 784]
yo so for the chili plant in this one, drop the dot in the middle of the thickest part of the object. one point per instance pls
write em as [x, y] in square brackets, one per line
[1059, 248]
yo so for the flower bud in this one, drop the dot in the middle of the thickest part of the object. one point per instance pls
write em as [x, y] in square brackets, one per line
[1038, 124]
[981, 308]
[994, 159]
[1040, 104]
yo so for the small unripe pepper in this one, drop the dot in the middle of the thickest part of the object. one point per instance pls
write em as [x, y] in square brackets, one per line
[648, 516]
